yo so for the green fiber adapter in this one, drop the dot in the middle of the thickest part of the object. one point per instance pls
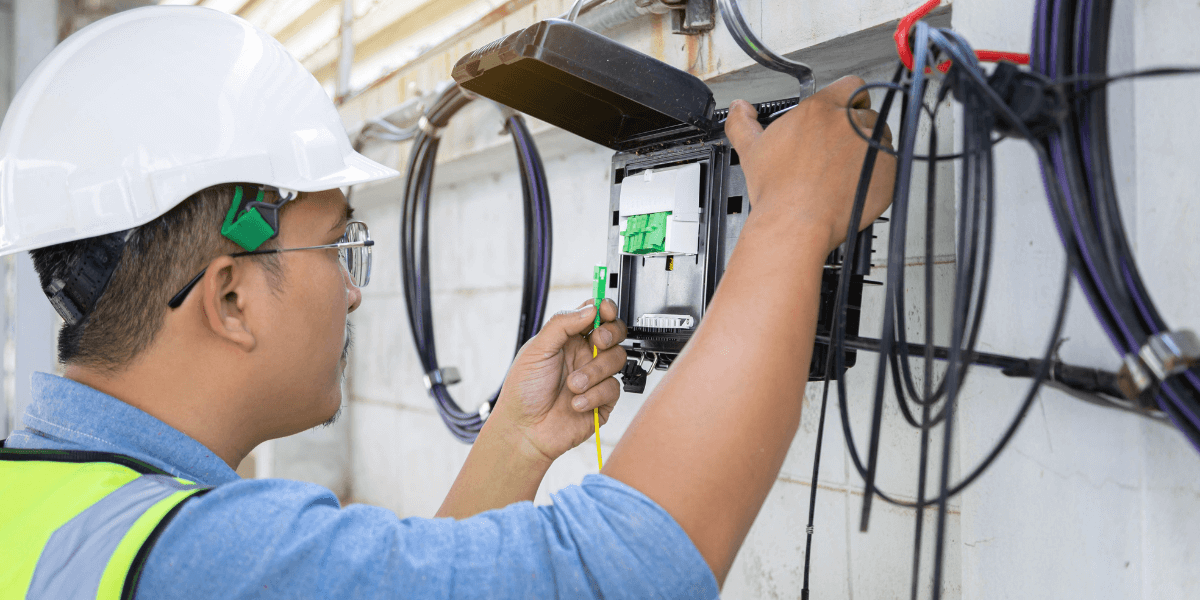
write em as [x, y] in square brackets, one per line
[599, 275]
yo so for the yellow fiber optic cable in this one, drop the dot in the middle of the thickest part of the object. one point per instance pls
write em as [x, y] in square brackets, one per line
[599, 275]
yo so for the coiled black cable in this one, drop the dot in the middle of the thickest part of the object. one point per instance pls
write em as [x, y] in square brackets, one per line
[1070, 58]
[1070, 45]
[414, 251]
[1078, 170]
[972, 264]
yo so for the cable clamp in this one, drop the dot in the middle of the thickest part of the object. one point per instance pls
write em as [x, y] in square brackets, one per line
[1163, 355]
[809, 530]
[443, 376]
[485, 410]
[428, 128]
[1039, 105]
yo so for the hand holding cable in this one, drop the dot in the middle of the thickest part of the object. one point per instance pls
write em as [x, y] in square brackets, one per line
[778, 183]
[554, 383]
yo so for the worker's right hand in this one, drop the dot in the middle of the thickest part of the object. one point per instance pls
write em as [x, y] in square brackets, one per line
[554, 383]
[807, 163]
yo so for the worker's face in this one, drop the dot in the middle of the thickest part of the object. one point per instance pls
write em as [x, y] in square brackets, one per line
[306, 344]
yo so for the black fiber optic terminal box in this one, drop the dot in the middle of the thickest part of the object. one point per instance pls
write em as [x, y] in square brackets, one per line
[678, 196]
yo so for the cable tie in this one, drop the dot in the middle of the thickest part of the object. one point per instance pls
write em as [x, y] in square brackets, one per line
[809, 529]
[904, 44]
[428, 128]
[1163, 355]
[443, 376]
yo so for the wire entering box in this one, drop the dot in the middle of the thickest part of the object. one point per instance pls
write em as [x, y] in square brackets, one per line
[678, 197]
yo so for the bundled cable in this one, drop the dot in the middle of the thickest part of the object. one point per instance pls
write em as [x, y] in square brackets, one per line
[1067, 127]
[1059, 108]
[1070, 45]
[414, 252]
[928, 405]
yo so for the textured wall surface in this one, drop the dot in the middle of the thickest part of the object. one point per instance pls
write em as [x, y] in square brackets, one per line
[1087, 502]
[404, 459]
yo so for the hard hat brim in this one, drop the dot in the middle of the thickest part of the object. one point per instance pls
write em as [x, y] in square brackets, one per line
[359, 169]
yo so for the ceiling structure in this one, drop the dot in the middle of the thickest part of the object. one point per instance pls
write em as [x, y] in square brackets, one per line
[383, 34]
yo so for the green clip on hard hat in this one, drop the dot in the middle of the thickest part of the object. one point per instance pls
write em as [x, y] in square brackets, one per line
[248, 227]
[138, 111]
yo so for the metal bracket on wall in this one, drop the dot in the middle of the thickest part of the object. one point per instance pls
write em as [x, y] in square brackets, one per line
[696, 17]
[688, 17]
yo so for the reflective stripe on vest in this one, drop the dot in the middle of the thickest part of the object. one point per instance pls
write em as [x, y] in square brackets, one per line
[80, 524]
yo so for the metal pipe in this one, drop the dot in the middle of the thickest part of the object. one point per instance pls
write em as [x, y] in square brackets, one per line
[346, 57]
[731, 13]
[1079, 378]
[599, 15]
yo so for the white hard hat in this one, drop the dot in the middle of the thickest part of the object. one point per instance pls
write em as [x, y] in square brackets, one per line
[133, 114]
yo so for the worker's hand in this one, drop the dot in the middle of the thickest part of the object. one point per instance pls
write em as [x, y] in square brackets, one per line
[554, 383]
[807, 163]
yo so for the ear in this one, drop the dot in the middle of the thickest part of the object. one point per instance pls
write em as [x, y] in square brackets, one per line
[225, 292]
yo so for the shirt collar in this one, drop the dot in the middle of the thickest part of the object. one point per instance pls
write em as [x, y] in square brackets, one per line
[78, 415]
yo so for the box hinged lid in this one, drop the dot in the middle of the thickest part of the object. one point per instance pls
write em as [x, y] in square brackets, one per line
[589, 85]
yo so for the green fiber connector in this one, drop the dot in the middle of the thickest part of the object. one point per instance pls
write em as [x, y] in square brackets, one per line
[646, 234]
[599, 277]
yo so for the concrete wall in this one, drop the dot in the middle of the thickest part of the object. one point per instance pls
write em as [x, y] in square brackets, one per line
[28, 32]
[403, 458]
[1087, 502]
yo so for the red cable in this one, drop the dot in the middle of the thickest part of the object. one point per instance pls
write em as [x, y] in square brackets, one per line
[905, 27]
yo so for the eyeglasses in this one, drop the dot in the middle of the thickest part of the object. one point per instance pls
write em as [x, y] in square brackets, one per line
[354, 252]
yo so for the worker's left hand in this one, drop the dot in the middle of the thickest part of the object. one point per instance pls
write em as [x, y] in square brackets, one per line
[554, 383]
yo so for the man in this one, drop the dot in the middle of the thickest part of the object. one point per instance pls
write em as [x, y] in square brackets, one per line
[175, 174]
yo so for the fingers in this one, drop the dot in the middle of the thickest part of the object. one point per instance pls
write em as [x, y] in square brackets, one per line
[866, 119]
[608, 309]
[839, 91]
[741, 127]
[604, 394]
[606, 364]
[562, 327]
[886, 140]
[612, 332]
[608, 335]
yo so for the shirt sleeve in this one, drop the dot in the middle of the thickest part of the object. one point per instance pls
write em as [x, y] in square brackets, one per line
[286, 539]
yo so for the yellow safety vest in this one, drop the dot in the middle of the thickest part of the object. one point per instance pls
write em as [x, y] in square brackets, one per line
[77, 525]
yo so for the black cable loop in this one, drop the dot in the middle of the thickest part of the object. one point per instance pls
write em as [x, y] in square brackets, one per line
[1085, 210]
[838, 334]
[415, 258]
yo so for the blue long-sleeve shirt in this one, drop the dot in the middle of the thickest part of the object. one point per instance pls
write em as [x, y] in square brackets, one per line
[275, 538]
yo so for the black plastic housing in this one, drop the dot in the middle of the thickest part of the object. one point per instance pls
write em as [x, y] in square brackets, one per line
[589, 85]
[655, 116]
[646, 284]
